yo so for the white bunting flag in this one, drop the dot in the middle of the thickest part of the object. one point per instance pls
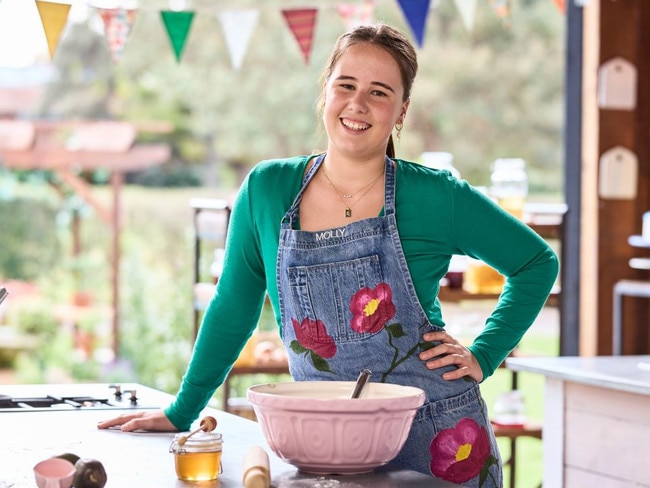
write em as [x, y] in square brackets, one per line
[238, 27]
[467, 9]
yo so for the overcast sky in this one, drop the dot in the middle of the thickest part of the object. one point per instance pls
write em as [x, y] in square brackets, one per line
[22, 40]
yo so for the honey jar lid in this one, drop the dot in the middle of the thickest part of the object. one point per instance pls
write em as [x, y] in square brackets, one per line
[200, 442]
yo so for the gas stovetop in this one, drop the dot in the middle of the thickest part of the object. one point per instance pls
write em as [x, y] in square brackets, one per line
[31, 398]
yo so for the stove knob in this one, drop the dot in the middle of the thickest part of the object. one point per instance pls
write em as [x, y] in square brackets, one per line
[133, 397]
[118, 390]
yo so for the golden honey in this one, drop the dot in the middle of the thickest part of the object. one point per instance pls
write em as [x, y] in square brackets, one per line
[481, 278]
[199, 459]
[513, 204]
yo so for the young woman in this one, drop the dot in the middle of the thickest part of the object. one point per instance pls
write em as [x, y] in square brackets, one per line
[350, 246]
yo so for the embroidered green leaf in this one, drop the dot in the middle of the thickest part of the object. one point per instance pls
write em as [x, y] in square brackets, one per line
[297, 347]
[427, 345]
[489, 462]
[319, 363]
[395, 330]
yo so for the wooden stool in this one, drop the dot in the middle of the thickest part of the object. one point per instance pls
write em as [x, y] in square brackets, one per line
[531, 429]
[631, 288]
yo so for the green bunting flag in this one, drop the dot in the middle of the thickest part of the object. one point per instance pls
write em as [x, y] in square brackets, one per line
[178, 28]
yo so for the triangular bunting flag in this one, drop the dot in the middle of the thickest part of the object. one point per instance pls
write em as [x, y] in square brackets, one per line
[501, 7]
[54, 16]
[238, 26]
[416, 13]
[561, 5]
[355, 15]
[178, 28]
[467, 9]
[117, 24]
[302, 23]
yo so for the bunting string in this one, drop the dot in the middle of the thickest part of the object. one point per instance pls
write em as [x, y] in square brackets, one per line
[238, 25]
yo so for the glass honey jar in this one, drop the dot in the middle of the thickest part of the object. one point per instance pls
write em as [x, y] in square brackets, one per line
[199, 457]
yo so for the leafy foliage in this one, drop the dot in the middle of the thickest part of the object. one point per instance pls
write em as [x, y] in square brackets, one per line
[28, 239]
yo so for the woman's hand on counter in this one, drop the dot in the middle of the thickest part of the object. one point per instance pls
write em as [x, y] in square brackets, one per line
[142, 420]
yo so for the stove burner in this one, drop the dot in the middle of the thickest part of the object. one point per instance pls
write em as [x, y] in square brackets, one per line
[119, 399]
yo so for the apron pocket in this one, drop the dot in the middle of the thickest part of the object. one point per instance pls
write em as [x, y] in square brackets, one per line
[324, 291]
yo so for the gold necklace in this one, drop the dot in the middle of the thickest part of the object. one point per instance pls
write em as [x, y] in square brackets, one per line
[343, 196]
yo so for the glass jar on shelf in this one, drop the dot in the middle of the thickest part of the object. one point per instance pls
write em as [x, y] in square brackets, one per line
[510, 409]
[480, 278]
[510, 185]
[216, 267]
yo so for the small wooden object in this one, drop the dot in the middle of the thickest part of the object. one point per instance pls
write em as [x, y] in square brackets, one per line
[208, 424]
[257, 473]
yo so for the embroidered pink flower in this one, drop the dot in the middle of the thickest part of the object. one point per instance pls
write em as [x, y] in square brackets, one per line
[372, 308]
[312, 335]
[460, 453]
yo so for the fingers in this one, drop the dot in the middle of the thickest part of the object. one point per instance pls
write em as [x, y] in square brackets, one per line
[448, 351]
[139, 421]
[120, 421]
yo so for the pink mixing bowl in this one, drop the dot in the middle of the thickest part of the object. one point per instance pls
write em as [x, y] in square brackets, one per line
[315, 426]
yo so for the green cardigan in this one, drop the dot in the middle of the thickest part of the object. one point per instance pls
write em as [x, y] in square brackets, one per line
[437, 216]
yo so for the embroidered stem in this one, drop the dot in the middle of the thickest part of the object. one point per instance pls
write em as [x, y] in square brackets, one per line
[395, 363]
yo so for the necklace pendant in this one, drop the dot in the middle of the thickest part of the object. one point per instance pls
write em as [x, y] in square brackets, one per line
[348, 212]
[347, 196]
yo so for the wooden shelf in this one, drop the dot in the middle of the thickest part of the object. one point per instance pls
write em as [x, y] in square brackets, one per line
[271, 368]
[455, 295]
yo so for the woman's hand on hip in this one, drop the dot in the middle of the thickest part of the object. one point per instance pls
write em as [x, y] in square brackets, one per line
[449, 351]
[142, 420]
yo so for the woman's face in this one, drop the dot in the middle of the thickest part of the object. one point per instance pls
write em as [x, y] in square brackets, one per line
[363, 102]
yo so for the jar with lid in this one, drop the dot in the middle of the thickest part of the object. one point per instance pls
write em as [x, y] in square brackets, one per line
[216, 267]
[510, 185]
[199, 458]
[440, 160]
[510, 409]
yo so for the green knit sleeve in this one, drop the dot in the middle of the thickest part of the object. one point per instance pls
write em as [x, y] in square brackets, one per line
[484, 231]
[249, 273]
[230, 318]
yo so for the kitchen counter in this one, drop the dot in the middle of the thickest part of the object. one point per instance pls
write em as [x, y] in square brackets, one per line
[596, 421]
[623, 373]
[143, 459]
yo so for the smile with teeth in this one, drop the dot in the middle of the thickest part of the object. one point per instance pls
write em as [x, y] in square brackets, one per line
[350, 124]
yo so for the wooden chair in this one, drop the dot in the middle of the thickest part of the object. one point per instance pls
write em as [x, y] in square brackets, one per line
[628, 288]
[623, 288]
[530, 429]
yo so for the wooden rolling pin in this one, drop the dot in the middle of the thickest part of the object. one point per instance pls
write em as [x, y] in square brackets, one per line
[256, 469]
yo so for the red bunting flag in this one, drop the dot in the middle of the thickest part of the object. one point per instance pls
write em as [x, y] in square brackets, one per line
[501, 7]
[117, 25]
[561, 5]
[302, 23]
[355, 15]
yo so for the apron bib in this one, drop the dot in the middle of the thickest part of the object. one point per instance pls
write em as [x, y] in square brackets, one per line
[348, 302]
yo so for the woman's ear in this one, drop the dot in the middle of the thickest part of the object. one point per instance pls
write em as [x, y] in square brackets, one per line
[405, 107]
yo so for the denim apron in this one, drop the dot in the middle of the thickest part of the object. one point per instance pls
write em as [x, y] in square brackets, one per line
[348, 302]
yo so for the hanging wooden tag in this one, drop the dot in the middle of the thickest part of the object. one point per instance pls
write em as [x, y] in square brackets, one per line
[617, 79]
[618, 174]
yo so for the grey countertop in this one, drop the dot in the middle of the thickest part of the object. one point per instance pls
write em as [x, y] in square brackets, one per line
[624, 373]
[143, 459]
